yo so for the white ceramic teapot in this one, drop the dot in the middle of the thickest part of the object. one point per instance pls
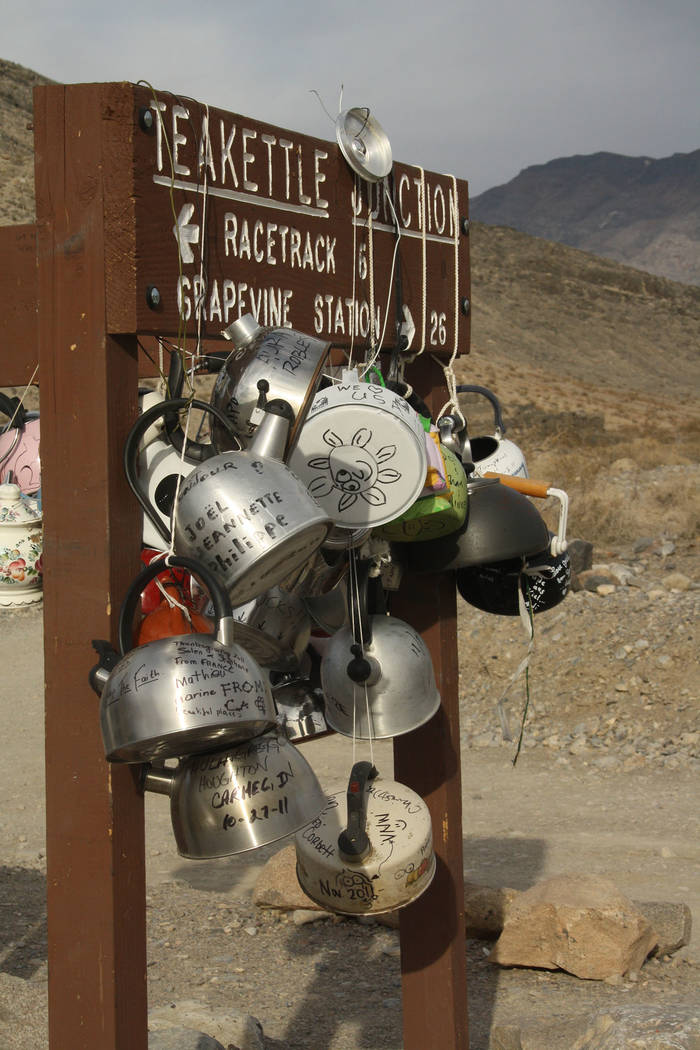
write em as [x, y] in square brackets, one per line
[21, 548]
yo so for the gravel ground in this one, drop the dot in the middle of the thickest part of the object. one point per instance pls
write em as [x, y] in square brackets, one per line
[606, 783]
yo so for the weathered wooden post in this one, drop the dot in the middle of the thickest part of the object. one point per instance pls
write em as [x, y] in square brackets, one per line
[94, 813]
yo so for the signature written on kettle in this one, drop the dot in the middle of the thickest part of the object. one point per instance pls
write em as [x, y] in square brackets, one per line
[250, 788]
[143, 678]
[381, 795]
[255, 813]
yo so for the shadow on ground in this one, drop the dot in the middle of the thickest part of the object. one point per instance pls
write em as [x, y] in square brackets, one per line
[355, 984]
[22, 921]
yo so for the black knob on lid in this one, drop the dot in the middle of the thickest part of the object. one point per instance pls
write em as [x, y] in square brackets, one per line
[358, 669]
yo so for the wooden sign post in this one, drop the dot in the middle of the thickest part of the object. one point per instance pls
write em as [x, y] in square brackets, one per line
[158, 216]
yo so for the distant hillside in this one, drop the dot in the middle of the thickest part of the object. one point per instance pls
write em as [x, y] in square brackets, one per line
[16, 143]
[544, 312]
[640, 211]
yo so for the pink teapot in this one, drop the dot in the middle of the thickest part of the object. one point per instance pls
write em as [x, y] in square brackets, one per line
[19, 446]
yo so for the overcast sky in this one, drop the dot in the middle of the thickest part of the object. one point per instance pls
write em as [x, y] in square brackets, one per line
[479, 89]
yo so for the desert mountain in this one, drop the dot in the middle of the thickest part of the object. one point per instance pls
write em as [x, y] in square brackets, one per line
[16, 143]
[638, 210]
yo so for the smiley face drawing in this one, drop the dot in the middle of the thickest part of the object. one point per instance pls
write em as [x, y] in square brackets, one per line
[353, 470]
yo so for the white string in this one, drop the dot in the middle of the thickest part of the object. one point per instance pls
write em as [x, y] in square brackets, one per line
[205, 189]
[193, 357]
[353, 204]
[448, 371]
[424, 231]
[322, 104]
[356, 623]
[526, 618]
[161, 362]
[370, 263]
[172, 601]
[23, 396]
[391, 282]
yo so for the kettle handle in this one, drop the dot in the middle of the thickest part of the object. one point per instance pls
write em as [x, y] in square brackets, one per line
[541, 490]
[469, 388]
[220, 599]
[131, 447]
[197, 451]
[528, 486]
[353, 842]
[12, 407]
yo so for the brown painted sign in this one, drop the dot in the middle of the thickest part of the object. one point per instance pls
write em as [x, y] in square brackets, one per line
[234, 216]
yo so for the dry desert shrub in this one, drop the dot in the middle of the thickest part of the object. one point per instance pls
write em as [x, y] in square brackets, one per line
[617, 512]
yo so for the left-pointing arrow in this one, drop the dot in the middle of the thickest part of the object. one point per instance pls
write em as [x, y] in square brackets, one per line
[186, 233]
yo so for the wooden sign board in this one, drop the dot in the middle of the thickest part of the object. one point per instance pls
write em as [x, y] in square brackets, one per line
[234, 216]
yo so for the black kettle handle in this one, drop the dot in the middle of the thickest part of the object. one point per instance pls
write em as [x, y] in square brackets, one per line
[468, 388]
[217, 593]
[12, 406]
[131, 447]
[197, 451]
[353, 841]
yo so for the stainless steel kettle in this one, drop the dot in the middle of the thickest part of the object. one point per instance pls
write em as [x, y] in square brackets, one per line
[182, 694]
[243, 514]
[289, 363]
[377, 675]
[233, 800]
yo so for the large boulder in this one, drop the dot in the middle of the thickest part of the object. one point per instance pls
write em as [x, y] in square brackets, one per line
[578, 923]
[675, 1026]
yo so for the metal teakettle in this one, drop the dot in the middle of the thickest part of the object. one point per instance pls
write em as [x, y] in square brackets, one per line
[370, 850]
[183, 694]
[237, 799]
[493, 452]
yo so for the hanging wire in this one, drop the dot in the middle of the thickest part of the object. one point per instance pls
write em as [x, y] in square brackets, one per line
[397, 228]
[313, 91]
[21, 399]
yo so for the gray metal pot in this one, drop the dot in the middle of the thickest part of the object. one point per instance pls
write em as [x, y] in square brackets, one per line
[378, 681]
[500, 524]
[183, 694]
[242, 514]
[289, 363]
[238, 799]
[277, 624]
[247, 517]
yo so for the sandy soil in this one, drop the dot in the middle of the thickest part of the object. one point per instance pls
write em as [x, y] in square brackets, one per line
[579, 800]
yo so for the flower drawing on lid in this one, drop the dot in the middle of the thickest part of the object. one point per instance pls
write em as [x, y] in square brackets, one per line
[352, 469]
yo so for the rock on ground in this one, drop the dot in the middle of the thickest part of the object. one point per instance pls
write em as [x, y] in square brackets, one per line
[581, 924]
[228, 1026]
[181, 1039]
[635, 1027]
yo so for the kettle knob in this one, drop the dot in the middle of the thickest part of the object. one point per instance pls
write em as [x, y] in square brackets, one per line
[358, 669]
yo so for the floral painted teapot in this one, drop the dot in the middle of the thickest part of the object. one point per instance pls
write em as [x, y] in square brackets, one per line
[20, 548]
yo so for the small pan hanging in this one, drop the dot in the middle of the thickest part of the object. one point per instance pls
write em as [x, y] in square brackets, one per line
[364, 143]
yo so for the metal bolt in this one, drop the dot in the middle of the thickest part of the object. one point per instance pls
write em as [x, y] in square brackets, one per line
[153, 296]
[146, 118]
[466, 306]
[465, 225]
